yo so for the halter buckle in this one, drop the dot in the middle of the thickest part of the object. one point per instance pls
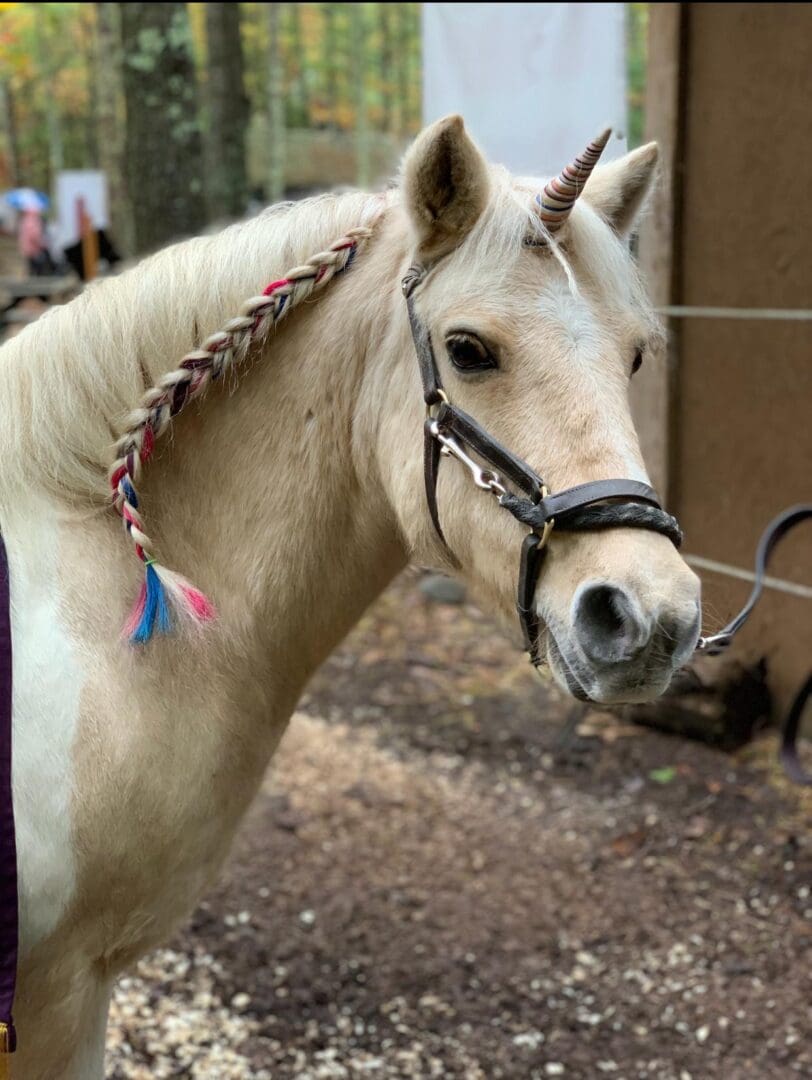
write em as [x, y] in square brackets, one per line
[414, 275]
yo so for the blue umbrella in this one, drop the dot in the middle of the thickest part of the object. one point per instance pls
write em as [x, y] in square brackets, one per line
[27, 199]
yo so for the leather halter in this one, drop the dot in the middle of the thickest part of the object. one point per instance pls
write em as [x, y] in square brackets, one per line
[450, 431]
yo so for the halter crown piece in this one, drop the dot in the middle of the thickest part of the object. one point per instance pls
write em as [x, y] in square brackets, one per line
[558, 198]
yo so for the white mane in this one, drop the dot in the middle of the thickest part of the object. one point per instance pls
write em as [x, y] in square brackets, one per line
[68, 380]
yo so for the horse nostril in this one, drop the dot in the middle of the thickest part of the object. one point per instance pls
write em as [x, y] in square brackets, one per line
[607, 624]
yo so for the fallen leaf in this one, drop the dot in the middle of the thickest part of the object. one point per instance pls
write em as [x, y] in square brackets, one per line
[626, 845]
[664, 775]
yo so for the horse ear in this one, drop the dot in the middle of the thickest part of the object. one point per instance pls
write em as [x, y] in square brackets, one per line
[618, 190]
[445, 185]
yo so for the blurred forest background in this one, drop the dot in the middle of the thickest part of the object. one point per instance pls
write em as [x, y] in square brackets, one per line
[200, 112]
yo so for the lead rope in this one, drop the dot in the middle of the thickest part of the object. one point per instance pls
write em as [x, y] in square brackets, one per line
[717, 644]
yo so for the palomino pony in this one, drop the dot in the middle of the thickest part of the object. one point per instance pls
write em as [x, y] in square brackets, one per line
[290, 493]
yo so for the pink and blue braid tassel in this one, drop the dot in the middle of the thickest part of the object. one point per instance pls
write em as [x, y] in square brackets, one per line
[162, 593]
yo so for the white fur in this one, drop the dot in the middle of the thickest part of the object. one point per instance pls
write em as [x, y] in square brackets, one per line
[579, 325]
[47, 680]
[88, 1060]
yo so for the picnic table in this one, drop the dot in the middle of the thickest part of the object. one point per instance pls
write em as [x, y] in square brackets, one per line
[51, 290]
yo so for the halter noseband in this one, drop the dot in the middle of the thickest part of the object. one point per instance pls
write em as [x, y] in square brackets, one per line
[451, 432]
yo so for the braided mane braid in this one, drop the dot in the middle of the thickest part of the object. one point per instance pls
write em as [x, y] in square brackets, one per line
[163, 590]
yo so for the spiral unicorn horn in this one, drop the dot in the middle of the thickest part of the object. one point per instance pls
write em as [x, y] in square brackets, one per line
[559, 195]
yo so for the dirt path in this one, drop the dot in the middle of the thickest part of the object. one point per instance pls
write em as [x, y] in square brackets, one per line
[442, 878]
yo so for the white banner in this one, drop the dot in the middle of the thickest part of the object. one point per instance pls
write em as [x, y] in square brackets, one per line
[534, 82]
[75, 188]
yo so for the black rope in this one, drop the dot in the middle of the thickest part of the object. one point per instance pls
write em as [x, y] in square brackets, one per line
[591, 518]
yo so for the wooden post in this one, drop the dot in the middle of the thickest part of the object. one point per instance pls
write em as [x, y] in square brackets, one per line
[652, 391]
[90, 241]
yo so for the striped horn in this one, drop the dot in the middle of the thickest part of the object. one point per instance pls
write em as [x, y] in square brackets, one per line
[559, 195]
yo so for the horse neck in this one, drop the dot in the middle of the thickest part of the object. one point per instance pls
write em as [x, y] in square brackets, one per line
[267, 496]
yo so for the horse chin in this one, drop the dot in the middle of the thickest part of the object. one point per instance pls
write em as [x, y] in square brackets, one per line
[562, 672]
[625, 688]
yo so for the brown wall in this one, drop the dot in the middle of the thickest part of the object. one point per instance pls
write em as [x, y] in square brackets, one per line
[319, 160]
[740, 446]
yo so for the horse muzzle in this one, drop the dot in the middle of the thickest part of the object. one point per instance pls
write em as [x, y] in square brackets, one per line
[615, 650]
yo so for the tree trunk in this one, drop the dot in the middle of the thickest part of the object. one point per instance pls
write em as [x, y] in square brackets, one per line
[401, 68]
[87, 23]
[276, 107]
[163, 144]
[110, 121]
[330, 62]
[53, 120]
[300, 86]
[9, 129]
[361, 117]
[226, 183]
[387, 60]
[414, 98]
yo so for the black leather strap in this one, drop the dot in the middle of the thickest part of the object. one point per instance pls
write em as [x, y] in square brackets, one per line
[770, 538]
[529, 568]
[556, 505]
[459, 423]
[718, 643]
[621, 516]
[789, 737]
[431, 466]
[429, 375]
[584, 516]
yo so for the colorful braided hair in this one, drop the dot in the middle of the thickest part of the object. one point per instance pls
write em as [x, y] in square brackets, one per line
[164, 592]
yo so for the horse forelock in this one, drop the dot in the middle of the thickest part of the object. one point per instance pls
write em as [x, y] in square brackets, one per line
[587, 252]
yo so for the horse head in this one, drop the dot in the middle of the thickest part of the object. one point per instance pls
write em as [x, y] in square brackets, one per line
[538, 320]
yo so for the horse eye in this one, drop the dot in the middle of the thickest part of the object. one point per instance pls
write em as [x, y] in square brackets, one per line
[467, 353]
[638, 361]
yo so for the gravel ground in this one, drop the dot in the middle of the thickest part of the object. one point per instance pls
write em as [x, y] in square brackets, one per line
[450, 872]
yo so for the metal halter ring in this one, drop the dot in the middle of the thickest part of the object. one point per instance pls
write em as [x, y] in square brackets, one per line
[441, 394]
[548, 525]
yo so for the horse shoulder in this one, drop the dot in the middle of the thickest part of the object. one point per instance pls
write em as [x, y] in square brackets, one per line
[47, 684]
